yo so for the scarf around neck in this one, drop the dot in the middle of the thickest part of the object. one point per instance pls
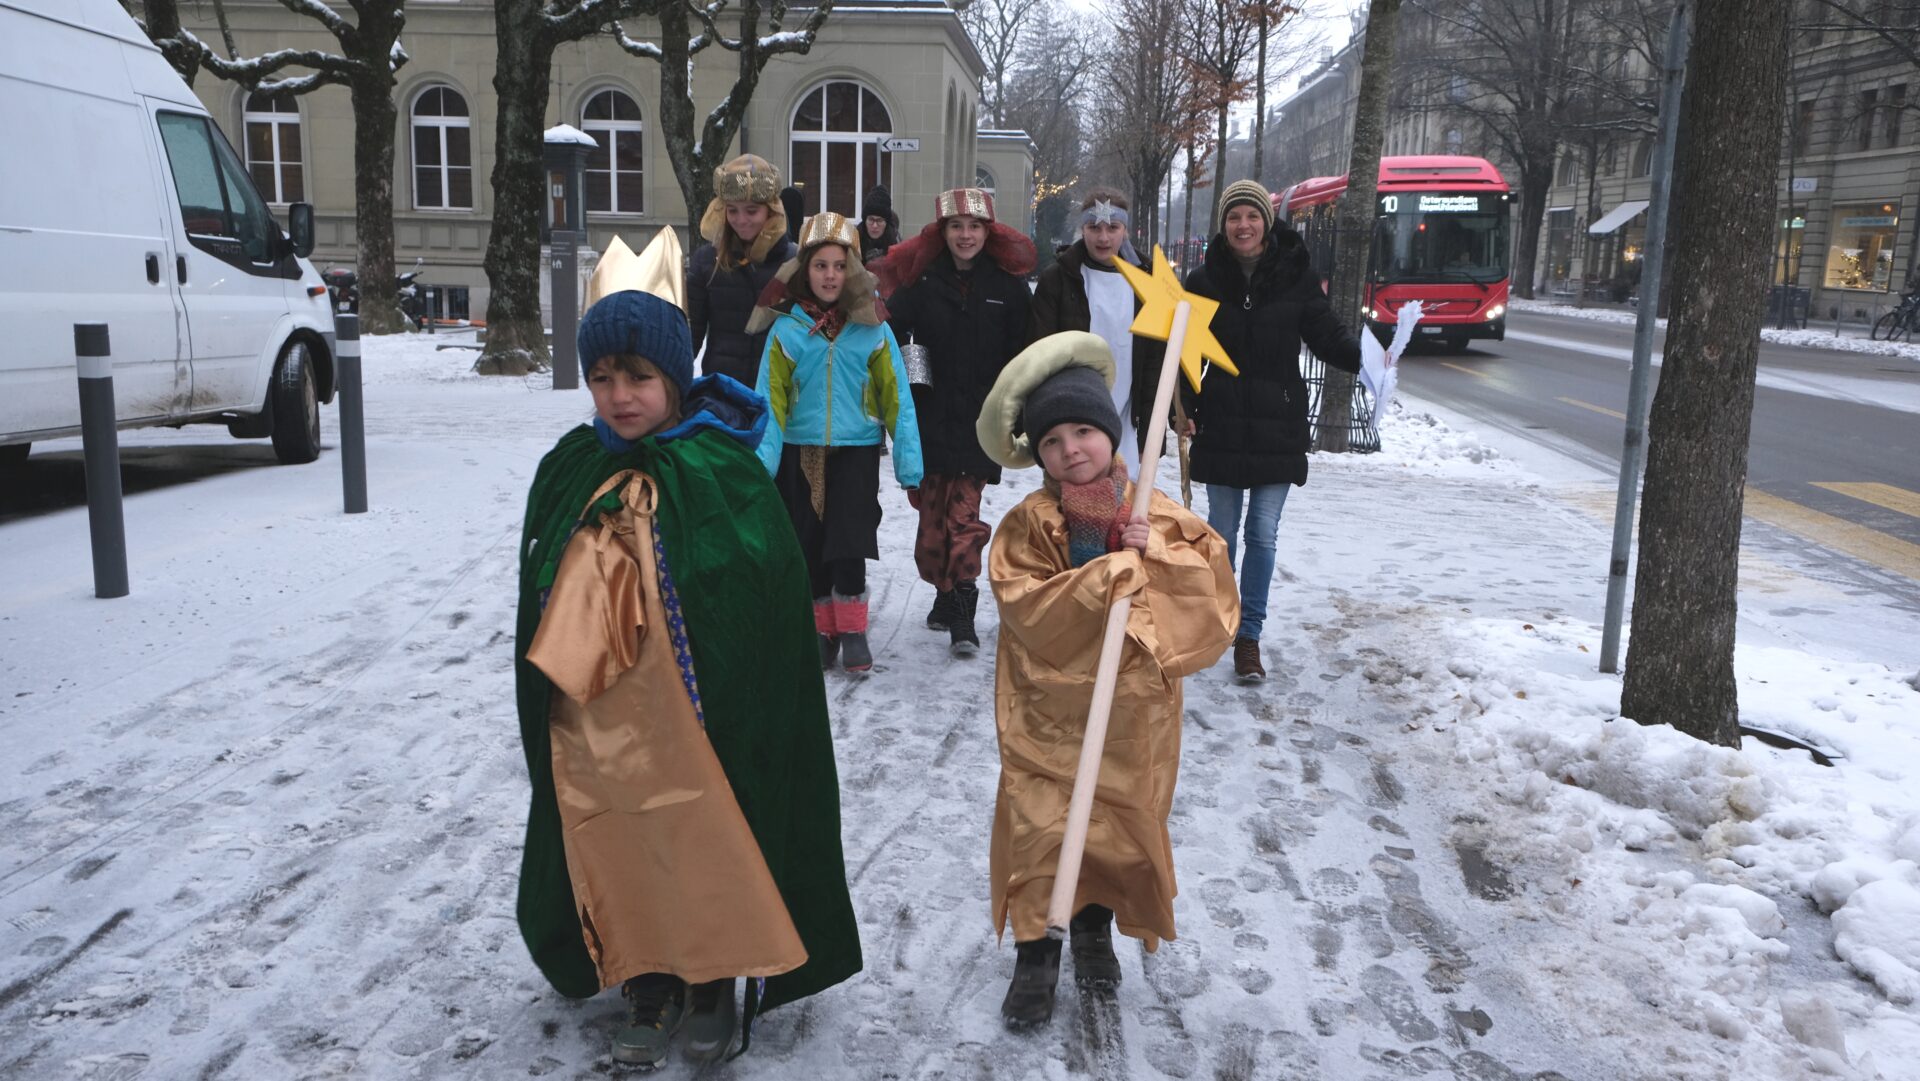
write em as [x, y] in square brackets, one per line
[826, 321]
[1095, 513]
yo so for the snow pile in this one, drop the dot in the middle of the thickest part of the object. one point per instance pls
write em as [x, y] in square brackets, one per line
[1423, 443]
[445, 357]
[1613, 804]
[1811, 338]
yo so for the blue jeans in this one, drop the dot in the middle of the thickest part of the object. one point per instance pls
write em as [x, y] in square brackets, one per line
[1263, 505]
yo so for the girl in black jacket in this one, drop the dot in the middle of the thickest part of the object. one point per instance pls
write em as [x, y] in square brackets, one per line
[1083, 291]
[746, 230]
[959, 289]
[1251, 435]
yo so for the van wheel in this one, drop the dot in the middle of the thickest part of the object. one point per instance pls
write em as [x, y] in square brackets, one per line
[294, 401]
[14, 454]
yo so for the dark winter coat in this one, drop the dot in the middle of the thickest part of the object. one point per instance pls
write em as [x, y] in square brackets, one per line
[972, 325]
[718, 304]
[1060, 303]
[1253, 427]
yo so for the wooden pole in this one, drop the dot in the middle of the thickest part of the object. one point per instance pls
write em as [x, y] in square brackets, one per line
[1093, 744]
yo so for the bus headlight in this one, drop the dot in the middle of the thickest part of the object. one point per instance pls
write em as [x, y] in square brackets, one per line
[1496, 312]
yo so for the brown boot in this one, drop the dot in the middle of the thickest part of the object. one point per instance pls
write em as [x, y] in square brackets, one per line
[1246, 661]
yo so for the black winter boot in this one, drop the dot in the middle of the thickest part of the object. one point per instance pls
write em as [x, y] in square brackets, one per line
[1036, 971]
[1094, 965]
[966, 600]
[941, 613]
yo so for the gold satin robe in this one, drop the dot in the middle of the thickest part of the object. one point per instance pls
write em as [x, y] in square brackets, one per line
[1052, 619]
[666, 873]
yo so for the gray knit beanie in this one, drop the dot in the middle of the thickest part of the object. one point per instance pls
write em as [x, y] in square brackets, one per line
[1247, 193]
[1071, 394]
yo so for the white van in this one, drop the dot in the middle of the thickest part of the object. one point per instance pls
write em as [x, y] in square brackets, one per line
[121, 202]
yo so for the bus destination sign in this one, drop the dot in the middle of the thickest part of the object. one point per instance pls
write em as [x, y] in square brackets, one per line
[1431, 204]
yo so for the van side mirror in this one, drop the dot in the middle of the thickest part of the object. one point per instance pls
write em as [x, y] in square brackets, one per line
[300, 228]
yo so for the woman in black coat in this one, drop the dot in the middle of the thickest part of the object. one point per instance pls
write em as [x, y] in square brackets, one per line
[746, 230]
[1083, 290]
[959, 289]
[1251, 436]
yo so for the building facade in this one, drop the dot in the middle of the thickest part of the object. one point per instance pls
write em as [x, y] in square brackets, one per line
[879, 70]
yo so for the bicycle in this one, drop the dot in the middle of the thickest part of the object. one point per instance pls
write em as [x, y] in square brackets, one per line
[1899, 323]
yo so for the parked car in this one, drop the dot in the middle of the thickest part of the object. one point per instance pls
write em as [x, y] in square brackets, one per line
[122, 203]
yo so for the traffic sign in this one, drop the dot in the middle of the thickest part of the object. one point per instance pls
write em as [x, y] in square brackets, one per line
[896, 146]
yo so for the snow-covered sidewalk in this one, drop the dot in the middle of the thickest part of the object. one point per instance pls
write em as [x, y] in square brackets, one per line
[262, 817]
[1852, 337]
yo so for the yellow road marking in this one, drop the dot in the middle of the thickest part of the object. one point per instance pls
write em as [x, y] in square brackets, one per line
[1871, 545]
[1880, 495]
[1615, 414]
[1460, 368]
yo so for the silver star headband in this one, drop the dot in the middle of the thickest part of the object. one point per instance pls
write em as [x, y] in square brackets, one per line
[1103, 212]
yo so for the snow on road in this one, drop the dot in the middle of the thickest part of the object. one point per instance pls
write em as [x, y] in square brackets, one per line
[262, 817]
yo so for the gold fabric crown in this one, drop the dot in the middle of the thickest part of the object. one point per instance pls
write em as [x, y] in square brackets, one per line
[828, 227]
[748, 178]
[973, 202]
[658, 269]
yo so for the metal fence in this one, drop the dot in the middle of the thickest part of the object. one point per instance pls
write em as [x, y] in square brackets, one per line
[1321, 234]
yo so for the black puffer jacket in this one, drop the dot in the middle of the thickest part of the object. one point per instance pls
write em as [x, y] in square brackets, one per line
[718, 304]
[972, 324]
[1060, 303]
[1253, 427]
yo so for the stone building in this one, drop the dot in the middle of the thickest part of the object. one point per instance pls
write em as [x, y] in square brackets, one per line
[879, 69]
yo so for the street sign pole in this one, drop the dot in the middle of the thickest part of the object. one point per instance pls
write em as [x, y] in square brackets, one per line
[1633, 454]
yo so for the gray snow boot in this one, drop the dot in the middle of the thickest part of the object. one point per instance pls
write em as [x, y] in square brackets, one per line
[1094, 965]
[712, 1016]
[850, 622]
[1036, 972]
[656, 1004]
[964, 640]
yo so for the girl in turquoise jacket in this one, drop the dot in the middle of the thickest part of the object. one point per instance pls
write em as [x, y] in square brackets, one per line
[837, 388]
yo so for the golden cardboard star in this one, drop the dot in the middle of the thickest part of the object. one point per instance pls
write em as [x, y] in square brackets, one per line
[1160, 293]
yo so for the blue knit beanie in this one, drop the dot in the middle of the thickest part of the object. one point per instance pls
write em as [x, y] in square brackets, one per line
[640, 323]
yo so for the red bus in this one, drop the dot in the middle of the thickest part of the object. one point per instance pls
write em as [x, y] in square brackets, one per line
[1441, 236]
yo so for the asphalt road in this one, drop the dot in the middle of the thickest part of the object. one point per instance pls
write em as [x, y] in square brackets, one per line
[1827, 462]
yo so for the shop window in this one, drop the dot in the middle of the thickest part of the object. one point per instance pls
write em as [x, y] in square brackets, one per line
[442, 151]
[1787, 250]
[1869, 104]
[1895, 109]
[1860, 255]
[834, 152]
[273, 148]
[615, 181]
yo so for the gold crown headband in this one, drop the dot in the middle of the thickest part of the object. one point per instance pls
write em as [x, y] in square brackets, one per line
[655, 270]
[973, 202]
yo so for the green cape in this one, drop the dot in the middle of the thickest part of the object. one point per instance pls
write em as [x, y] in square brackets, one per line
[743, 589]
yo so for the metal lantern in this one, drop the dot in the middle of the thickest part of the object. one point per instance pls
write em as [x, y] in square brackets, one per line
[919, 362]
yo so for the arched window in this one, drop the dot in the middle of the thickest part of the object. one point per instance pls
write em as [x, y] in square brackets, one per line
[1643, 157]
[273, 148]
[442, 151]
[835, 154]
[983, 179]
[615, 180]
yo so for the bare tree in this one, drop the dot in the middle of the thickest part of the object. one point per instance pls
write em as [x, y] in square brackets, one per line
[1048, 100]
[1218, 46]
[1000, 29]
[695, 158]
[526, 32]
[1356, 212]
[370, 54]
[1271, 18]
[1685, 606]
[1148, 110]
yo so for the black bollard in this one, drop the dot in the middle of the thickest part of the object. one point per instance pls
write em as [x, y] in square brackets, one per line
[353, 413]
[100, 438]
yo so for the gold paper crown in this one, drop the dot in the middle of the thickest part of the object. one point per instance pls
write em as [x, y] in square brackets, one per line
[827, 227]
[973, 202]
[657, 269]
[747, 179]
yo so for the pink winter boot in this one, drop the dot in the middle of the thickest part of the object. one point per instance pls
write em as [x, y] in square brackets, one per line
[850, 620]
[823, 623]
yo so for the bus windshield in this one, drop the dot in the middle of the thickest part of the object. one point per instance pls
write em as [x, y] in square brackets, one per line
[1436, 237]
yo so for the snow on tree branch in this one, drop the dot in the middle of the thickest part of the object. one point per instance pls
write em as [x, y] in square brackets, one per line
[645, 50]
[315, 9]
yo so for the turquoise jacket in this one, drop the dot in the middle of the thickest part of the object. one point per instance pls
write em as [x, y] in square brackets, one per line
[840, 393]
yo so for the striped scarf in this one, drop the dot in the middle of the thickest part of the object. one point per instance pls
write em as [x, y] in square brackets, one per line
[1095, 513]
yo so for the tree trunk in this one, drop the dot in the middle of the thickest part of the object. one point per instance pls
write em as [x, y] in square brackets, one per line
[1187, 232]
[1590, 248]
[1535, 178]
[516, 339]
[1219, 166]
[1685, 606]
[1260, 99]
[1356, 213]
[374, 117]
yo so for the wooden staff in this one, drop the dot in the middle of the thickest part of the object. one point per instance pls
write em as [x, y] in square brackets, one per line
[1093, 744]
